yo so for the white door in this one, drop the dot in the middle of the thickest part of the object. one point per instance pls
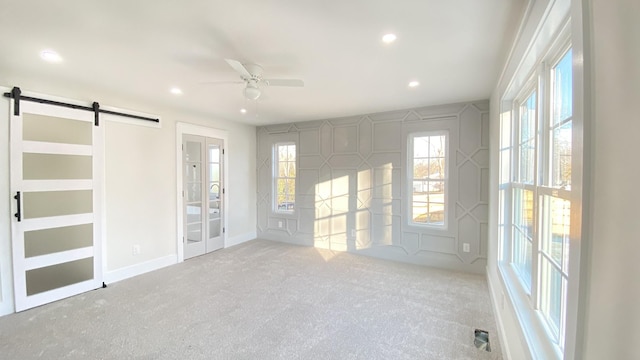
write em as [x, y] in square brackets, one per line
[215, 189]
[56, 164]
[202, 163]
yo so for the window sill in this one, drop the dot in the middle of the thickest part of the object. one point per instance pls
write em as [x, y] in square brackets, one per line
[428, 229]
[284, 214]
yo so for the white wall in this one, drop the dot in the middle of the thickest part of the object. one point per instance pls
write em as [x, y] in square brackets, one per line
[6, 283]
[612, 321]
[140, 192]
[138, 172]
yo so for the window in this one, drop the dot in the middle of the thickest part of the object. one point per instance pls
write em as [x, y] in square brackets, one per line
[284, 177]
[428, 178]
[535, 191]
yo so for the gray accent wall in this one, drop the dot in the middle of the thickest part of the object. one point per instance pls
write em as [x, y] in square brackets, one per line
[351, 186]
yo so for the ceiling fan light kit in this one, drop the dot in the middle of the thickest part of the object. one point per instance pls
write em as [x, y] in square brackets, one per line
[252, 92]
[251, 75]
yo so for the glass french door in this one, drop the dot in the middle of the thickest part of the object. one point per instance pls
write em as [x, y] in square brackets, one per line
[202, 195]
[56, 163]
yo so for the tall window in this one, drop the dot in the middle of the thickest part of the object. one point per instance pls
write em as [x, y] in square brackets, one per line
[428, 178]
[284, 177]
[535, 190]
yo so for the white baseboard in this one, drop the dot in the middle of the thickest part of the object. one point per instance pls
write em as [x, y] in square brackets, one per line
[239, 239]
[139, 269]
[506, 354]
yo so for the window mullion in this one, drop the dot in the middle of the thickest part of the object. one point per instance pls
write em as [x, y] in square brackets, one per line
[539, 164]
[514, 173]
[515, 143]
[545, 124]
[508, 195]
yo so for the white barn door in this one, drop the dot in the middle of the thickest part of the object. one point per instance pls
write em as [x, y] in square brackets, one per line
[56, 172]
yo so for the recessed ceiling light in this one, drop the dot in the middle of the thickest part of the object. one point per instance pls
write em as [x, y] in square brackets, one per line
[389, 38]
[244, 111]
[176, 91]
[50, 56]
[414, 84]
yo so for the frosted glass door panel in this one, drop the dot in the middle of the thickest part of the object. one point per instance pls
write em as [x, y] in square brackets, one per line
[49, 241]
[56, 130]
[56, 167]
[56, 276]
[57, 203]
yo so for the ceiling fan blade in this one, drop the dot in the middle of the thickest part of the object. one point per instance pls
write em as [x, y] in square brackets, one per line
[284, 82]
[239, 68]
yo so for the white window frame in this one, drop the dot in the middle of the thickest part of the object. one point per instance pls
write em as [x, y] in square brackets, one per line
[410, 159]
[540, 336]
[275, 177]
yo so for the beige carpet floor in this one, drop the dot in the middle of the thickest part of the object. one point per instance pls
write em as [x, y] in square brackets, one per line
[264, 300]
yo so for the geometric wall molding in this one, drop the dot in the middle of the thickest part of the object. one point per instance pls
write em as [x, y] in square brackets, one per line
[351, 180]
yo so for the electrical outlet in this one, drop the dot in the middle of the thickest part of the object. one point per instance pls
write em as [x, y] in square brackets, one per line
[280, 224]
[465, 247]
[136, 250]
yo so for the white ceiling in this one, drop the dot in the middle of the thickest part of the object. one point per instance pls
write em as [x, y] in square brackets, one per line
[128, 54]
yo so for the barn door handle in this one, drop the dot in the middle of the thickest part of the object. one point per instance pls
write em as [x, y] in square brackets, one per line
[18, 215]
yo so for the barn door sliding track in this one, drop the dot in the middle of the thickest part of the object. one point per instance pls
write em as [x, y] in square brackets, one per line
[16, 95]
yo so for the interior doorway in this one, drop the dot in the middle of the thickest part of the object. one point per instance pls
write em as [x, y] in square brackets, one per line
[202, 194]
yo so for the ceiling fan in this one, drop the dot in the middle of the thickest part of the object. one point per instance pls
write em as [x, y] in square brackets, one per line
[251, 76]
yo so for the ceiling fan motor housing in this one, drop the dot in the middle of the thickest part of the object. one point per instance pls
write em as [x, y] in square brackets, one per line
[251, 74]
[255, 71]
